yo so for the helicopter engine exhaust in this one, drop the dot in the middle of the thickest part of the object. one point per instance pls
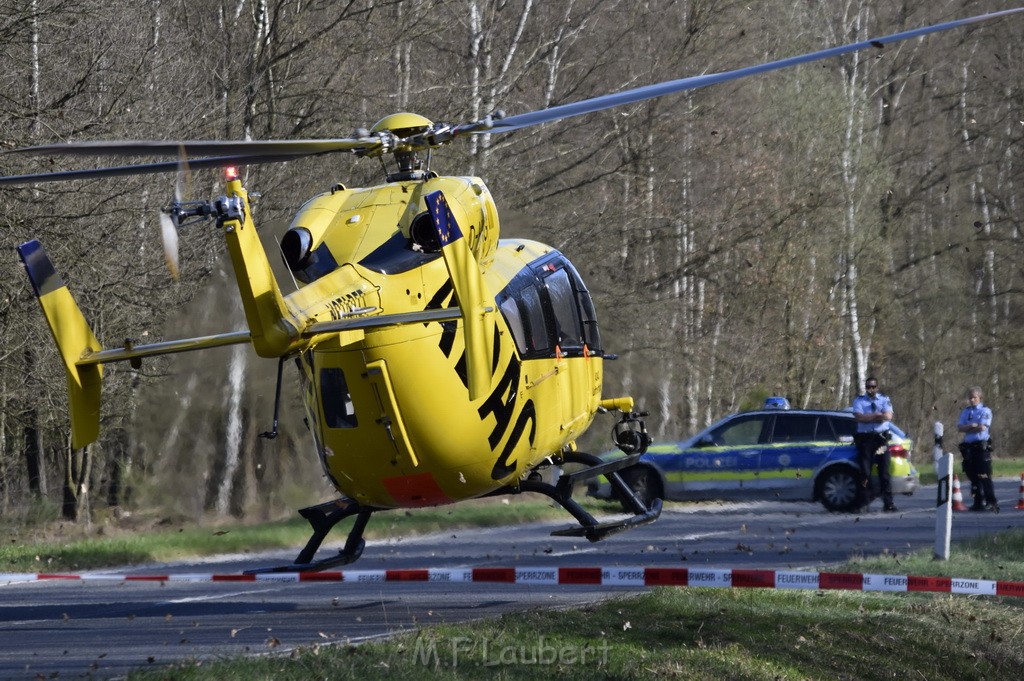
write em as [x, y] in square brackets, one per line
[423, 234]
[296, 245]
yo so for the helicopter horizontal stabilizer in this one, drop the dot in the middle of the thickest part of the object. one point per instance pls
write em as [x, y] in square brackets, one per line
[134, 353]
[74, 338]
[470, 292]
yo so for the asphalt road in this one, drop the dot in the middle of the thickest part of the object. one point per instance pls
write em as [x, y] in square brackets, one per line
[104, 629]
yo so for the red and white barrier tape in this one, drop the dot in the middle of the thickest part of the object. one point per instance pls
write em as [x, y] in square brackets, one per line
[609, 576]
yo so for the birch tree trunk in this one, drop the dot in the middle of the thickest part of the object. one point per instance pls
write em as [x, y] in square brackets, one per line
[488, 82]
[233, 436]
[984, 319]
[853, 140]
[77, 473]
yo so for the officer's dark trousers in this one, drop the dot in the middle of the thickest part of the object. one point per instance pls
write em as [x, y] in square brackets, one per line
[872, 449]
[978, 469]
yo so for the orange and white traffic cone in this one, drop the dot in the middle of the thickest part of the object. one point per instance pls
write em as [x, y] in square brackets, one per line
[1020, 497]
[958, 496]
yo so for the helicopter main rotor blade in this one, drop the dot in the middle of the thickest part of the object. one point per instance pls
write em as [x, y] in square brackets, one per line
[556, 113]
[262, 149]
[146, 168]
[241, 153]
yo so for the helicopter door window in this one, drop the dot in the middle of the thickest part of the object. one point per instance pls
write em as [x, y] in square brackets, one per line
[339, 412]
[563, 303]
[538, 336]
[585, 305]
[510, 310]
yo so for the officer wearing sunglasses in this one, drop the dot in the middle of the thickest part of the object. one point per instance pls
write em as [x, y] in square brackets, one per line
[873, 413]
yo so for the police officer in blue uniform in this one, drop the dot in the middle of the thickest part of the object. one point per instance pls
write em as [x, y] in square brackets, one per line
[975, 423]
[873, 413]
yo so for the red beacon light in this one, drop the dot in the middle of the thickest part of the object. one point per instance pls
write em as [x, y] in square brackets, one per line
[898, 450]
[231, 173]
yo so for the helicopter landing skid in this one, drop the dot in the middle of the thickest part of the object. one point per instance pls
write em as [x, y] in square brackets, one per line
[599, 531]
[590, 528]
[322, 518]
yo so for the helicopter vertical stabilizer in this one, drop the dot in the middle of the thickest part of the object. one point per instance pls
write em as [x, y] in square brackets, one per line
[464, 270]
[74, 339]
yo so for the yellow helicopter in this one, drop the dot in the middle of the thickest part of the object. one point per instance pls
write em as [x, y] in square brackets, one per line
[438, 362]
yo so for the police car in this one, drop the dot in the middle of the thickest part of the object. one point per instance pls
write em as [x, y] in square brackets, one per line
[771, 453]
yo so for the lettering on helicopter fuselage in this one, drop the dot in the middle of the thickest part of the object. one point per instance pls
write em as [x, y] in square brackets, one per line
[502, 466]
[503, 402]
[443, 299]
[342, 305]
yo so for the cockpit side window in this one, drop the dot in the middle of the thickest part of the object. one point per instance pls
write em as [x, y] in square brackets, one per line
[510, 309]
[588, 315]
[546, 305]
[563, 304]
[538, 339]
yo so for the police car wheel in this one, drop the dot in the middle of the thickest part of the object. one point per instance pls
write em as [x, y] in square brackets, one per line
[837, 490]
[644, 482]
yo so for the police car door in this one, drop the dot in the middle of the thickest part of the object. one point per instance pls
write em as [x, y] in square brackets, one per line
[799, 444]
[729, 463]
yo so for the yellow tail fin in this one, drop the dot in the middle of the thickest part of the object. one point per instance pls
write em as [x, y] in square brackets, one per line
[74, 339]
[477, 319]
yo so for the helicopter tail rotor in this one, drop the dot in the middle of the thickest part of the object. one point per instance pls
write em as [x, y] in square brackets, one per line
[169, 239]
[169, 217]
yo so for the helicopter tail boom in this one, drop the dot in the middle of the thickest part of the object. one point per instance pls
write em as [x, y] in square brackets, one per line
[274, 329]
[74, 339]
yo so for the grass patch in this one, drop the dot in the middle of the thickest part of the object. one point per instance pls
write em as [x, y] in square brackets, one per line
[663, 633]
[993, 556]
[67, 548]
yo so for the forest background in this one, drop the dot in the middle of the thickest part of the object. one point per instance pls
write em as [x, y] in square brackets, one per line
[786, 234]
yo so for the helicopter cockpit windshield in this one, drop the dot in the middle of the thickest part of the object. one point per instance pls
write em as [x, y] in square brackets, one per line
[549, 311]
